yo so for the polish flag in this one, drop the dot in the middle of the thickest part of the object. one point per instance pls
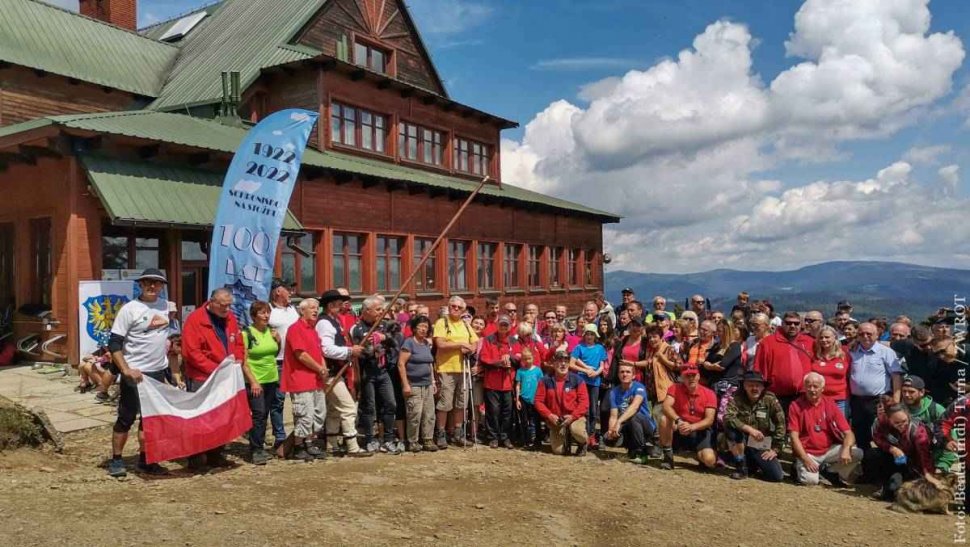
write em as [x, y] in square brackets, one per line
[178, 424]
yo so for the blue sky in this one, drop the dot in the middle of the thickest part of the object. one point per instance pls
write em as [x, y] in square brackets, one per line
[719, 143]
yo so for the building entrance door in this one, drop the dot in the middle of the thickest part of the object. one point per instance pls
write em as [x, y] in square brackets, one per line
[195, 277]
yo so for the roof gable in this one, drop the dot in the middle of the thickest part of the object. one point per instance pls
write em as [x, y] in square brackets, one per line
[43, 37]
[240, 35]
[386, 22]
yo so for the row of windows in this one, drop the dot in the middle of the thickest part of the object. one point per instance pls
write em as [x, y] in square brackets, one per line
[349, 262]
[365, 130]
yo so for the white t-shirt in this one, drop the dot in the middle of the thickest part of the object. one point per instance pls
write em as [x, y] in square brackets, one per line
[281, 319]
[144, 326]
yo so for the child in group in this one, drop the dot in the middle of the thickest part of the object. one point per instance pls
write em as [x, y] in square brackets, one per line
[589, 360]
[526, 382]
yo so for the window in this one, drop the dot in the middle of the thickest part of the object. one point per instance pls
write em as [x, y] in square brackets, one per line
[41, 261]
[486, 266]
[301, 269]
[457, 262]
[146, 252]
[471, 157]
[588, 268]
[123, 249]
[571, 276]
[424, 280]
[348, 255]
[420, 144]
[6, 264]
[555, 258]
[114, 253]
[512, 253]
[370, 57]
[535, 254]
[389, 251]
[357, 127]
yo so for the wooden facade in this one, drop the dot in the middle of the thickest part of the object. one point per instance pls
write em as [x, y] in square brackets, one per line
[362, 232]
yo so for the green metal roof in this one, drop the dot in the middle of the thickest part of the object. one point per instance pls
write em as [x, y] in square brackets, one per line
[148, 193]
[212, 135]
[40, 36]
[241, 35]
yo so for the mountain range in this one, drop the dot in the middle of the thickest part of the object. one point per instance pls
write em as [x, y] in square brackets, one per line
[873, 288]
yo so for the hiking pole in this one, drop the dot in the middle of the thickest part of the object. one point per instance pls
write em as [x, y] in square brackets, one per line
[414, 272]
[466, 385]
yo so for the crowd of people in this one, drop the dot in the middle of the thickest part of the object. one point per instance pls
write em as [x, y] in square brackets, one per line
[844, 401]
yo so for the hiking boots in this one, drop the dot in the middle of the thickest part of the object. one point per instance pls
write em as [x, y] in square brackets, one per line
[116, 468]
[441, 440]
[259, 457]
[667, 463]
[740, 472]
[428, 446]
[581, 451]
[150, 469]
[390, 447]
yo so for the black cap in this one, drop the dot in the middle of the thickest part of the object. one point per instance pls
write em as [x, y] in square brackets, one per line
[152, 274]
[914, 382]
[659, 315]
[279, 282]
[627, 290]
[332, 296]
[753, 376]
[843, 305]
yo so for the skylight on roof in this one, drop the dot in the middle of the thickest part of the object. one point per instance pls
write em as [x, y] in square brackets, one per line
[183, 26]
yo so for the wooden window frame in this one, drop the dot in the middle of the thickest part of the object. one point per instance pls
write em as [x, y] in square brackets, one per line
[358, 144]
[572, 267]
[463, 145]
[298, 262]
[482, 261]
[516, 279]
[465, 262]
[344, 255]
[390, 53]
[381, 253]
[534, 258]
[555, 268]
[421, 278]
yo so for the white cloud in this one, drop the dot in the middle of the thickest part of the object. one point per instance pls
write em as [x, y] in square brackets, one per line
[927, 155]
[583, 63]
[677, 148]
[448, 16]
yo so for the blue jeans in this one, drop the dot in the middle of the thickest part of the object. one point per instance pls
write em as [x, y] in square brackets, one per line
[376, 396]
[276, 410]
[770, 469]
[593, 414]
[843, 406]
[261, 407]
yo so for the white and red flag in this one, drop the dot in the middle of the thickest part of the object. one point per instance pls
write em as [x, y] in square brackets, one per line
[178, 424]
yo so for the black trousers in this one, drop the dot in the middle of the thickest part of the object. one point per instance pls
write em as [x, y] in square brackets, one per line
[863, 412]
[376, 398]
[498, 414]
[880, 466]
[635, 433]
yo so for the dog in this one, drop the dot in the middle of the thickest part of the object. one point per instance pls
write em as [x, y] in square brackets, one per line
[921, 495]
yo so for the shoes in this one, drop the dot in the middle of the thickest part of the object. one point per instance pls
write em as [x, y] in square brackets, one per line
[581, 451]
[390, 447]
[217, 461]
[507, 444]
[151, 469]
[197, 463]
[428, 446]
[655, 452]
[668, 463]
[401, 446]
[441, 440]
[300, 453]
[359, 453]
[640, 459]
[740, 472]
[102, 397]
[313, 450]
[493, 443]
[116, 468]
[837, 481]
[372, 446]
[415, 448]
[259, 457]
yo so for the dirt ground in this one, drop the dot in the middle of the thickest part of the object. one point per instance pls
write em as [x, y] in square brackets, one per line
[475, 496]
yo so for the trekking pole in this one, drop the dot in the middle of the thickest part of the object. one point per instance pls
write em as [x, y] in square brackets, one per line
[466, 385]
[434, 246]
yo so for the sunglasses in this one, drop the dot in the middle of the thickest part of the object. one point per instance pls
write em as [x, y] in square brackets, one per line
[793, 323]
[456, 306]
[513, 310]
[812, 320]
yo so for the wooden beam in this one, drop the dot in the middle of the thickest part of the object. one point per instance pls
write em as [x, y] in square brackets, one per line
[15, 157]
[358, 74]
[483, 118]
[4, 64]
[39, 151]
[370, 182]
[107, 89]
[415, 189]
[428, 101]
[407, 92]
[394, 185]
[85, 144]
[74, 81]
[149, 151]
[342, 177]
[327, 64]
[385, 83]
[466, 113]
[40, 73]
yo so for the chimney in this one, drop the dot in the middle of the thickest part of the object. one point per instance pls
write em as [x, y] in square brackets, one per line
[122, 13]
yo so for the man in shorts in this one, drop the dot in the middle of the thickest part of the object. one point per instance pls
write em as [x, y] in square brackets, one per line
[454, 340]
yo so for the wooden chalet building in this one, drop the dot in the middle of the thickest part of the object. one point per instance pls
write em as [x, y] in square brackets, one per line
[112, 158]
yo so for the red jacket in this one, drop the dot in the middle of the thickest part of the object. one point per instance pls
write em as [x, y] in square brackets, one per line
[202, 351]
[562, 397]
[915, 443]
[496, 376]
[784, 364]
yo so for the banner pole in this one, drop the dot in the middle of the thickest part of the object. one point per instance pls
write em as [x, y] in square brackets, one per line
[434, 246]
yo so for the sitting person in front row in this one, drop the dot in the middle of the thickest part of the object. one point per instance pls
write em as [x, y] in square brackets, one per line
[756, 429]
[630, 415]
[902, 451]
[562, 401]
[689, 412]
[821, 439]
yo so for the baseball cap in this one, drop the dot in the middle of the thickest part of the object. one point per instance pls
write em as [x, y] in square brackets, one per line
[152, 274]
[627, 290]
[659, 316]
[561, 354]
[591, 327]
[689, 370]
[844, 305]
[914, 382]
[504, 319]
[279, 282]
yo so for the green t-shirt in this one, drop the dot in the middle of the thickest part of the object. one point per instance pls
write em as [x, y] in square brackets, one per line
[261, 355]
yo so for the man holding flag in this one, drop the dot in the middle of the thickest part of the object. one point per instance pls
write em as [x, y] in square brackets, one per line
[210, 334]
